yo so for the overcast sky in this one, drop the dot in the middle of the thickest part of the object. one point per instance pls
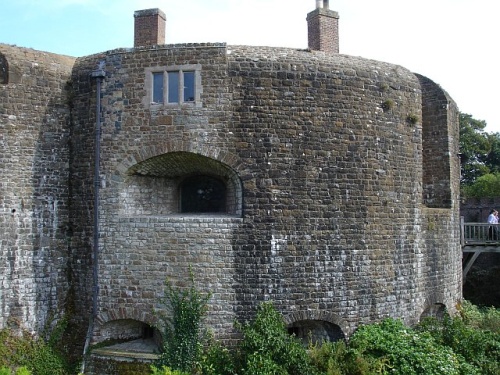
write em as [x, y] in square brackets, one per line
[453, 42]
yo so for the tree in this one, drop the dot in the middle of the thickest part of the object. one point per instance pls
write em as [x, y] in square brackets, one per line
[487, 185]
[493, 158]
[475, 146]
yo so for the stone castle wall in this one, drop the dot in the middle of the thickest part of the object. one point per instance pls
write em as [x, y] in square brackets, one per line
[341, 177]
[34, 191]
[337, 216]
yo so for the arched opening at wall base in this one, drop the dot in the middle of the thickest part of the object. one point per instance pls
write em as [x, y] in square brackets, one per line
[315, 331]
[437, 310]
[128, 338]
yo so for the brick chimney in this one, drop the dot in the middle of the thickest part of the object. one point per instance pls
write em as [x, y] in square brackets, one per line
[149, 27]
[323, 28]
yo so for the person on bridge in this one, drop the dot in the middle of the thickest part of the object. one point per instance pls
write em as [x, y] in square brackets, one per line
[493, 219]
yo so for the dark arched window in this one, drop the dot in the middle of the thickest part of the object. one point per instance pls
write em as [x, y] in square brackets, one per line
[203, 194]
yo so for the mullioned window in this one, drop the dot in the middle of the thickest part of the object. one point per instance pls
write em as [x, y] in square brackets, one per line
[173, 86]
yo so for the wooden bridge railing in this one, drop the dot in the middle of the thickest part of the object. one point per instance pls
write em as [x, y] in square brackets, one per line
[480, 234]
[477, 238]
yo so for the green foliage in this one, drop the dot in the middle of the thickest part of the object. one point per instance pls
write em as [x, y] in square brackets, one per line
[475, 145]
[267, 348]
[19, 371]
[181, 325]
[487, 185]
[412, 118]
[406, 351]
[336, 358]
[485, 318]
[217, 360]
[167, 371]
[467, 337]
[465, 345]
[388, 105]
[493, 157]
[33, 353]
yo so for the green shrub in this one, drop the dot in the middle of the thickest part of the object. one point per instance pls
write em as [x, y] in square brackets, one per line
[479, 348]
[258, 363]
[32, 353]
[406, 351]
[217, 360]
[181, 325]
[167, 371]
[267, 346]
[23, 371]
[485, 318]
[336, 358]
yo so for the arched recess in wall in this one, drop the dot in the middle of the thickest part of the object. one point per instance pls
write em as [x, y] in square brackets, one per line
[437, 148]
[181, 182]
[315, 331]
[128, 331]
[436, 310]
[318, 325]
[4, 70]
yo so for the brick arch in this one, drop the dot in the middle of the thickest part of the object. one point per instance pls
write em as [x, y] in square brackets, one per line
[125, 313]
[320, 315]
[148, 152]
[175, 164]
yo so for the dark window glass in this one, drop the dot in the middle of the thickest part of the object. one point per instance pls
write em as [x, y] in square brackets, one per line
[203, 194]
[189, 86]
[173, 87]
[157, 87]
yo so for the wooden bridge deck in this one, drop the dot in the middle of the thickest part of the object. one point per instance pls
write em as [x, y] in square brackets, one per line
[478, 238]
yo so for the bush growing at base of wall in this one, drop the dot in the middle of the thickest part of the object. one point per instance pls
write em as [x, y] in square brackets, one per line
[181, 326]
[167, 371]
[468, 344]
[267, 348]
[30, 352]
[458, 345]
[473, 336]
[19, 371]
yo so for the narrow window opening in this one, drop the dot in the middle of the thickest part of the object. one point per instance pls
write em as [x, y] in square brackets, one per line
[189, 85]
[158, 87]
[173, 87]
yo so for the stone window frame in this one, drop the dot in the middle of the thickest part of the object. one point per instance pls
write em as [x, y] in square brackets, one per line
[181, 69]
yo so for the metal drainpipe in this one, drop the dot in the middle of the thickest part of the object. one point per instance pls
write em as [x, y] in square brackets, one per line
[99, 74]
